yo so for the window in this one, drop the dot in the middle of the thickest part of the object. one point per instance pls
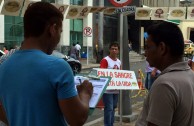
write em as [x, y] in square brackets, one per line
[76, 31]
[76, 26]
[50, 1]
[13, 30]
[76, 2]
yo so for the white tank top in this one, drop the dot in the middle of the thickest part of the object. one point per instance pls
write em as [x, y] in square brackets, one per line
[113, 64]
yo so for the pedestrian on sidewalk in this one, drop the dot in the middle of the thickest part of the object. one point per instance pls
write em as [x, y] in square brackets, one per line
[170, 101]
[110, 97]
[5, 49]
[151, 74]
[78, 47]
[37, 89]
[73, 52]
[130, 46]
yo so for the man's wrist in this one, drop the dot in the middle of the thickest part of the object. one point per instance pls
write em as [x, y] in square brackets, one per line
[84, 96]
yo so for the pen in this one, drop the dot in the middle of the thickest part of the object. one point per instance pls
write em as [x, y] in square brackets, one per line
[80, 81]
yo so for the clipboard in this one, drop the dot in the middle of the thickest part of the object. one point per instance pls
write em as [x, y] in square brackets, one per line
[108, 81]
[99, 83]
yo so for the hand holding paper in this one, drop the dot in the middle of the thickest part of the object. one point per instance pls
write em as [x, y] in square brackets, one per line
[99, 86]
[85, 90]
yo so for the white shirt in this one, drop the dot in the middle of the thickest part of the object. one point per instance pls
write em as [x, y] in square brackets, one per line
[78, 47]
[112, 64]
[193, 59]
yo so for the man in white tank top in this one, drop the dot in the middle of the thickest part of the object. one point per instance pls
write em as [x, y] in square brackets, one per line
[110, 97]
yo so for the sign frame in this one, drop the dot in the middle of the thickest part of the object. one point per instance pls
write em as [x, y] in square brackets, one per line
[116, 4]
[121, 79]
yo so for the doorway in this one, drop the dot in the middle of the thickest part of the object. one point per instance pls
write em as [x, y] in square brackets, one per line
[192, 34]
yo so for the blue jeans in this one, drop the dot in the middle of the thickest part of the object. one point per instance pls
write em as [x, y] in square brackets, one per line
[73, 56]
[110, 103]
[149, 80]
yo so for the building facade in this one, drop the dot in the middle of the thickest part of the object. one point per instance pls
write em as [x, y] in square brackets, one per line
[11, 33]
[186, 26]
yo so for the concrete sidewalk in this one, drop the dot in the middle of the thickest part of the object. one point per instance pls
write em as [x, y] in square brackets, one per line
[100, 121]
[88, 64]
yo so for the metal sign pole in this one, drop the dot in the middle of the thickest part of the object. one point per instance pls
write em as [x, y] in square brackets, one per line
[121, 109]
[100, 33]
[121, 58]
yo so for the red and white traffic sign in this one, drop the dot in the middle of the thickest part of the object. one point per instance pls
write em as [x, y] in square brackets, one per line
[87, 31]
[120, 3]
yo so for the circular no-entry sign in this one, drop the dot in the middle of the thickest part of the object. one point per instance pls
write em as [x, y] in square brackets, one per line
[87, 31]
[120, 3]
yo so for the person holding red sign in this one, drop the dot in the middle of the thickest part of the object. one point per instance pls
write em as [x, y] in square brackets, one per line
[110, 97]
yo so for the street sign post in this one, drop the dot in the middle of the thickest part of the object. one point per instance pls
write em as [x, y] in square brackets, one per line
[125, 108]
[120, 3]
[87, 31]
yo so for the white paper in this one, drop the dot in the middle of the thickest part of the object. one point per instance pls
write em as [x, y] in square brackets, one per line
[84, 12]
[159, 13]
[142, 13]
[12, 7]
[27, 3]
[190, 13]
[177, 13]
[62, 8]
[98, 87]
[73, 12]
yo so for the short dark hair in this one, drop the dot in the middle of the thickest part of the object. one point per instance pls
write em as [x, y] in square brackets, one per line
[170, 34]
[38, 16]
[114, 44]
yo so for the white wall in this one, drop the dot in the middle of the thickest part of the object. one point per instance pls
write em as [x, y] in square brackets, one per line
[87, 22]
[65, 35]
[2, 26]
[161, 3]
[184, 26]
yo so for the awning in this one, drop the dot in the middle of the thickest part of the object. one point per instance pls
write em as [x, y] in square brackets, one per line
[174, 21]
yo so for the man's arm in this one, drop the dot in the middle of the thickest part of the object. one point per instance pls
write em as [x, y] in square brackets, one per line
[74, 105]
[76, 109]
[2, 114]
[103, 63]
[153, 73]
